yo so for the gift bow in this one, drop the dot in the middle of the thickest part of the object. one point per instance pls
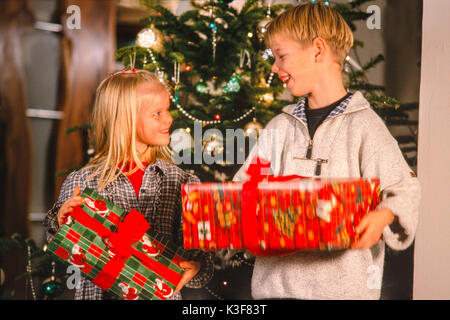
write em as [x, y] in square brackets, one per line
[258, 171]
[129, 231]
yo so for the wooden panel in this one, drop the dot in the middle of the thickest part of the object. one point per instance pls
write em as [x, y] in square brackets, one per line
[15, 19]
[87, 58]
[16, 154]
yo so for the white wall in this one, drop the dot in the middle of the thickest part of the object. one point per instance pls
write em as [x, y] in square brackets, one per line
[432, 251]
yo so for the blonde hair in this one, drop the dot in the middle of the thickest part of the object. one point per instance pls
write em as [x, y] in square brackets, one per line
[114, 117]
[308, 21]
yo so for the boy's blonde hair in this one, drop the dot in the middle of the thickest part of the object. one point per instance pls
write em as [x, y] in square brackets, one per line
[306, 22]
[117, 105]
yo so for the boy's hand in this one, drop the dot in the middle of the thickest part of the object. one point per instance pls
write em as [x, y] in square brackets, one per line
[192, 268]
[371, 227]
[68, 206]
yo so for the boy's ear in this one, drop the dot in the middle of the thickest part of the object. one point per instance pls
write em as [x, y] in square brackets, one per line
[319, 46]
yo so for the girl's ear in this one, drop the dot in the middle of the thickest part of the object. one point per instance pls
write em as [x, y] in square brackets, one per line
[319, 46]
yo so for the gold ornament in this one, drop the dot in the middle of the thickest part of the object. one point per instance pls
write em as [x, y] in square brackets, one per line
[253, 128]
[267, 99]
[150, 38]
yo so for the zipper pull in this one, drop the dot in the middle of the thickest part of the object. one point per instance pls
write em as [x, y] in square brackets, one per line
[309, 150]
[319, 166]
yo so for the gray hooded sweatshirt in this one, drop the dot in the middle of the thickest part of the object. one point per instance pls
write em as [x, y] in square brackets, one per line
[353, 142]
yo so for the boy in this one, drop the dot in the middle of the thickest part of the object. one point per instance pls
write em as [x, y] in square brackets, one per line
[330, 133]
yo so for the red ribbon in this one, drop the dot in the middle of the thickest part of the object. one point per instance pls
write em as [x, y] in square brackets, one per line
[258, 171]
[129, 231]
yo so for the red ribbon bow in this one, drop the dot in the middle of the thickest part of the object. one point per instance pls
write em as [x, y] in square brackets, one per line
[129, 231]
[258, 171]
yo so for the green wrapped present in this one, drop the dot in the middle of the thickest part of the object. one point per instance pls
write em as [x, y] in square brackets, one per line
[117, 251]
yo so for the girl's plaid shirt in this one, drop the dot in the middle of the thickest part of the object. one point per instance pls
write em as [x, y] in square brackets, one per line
[160, 202]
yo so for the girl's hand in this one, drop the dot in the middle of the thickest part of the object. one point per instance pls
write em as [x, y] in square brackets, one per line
[68, 206]
[192, 268]
[371, 227]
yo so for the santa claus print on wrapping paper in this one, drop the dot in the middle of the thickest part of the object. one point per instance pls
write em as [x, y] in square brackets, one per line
[68, 220]
[99, 206]
[148, 248]
[163, 288]
[78, 258]
[325, 207]
[128, 293]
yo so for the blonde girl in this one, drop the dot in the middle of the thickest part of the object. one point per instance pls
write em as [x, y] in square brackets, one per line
[132, 167]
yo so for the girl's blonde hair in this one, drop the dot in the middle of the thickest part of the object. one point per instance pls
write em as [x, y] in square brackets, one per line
[117, 105]
[308, 21]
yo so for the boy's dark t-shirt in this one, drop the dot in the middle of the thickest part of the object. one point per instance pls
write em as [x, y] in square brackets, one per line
[316, 116]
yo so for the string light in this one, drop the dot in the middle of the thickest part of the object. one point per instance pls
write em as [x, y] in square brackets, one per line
[217, 121]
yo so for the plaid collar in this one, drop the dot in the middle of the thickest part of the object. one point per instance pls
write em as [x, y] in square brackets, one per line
[299, 110]
[162, 165]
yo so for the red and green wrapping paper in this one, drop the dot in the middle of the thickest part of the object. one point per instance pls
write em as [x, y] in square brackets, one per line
[117, 251]
[274, 215]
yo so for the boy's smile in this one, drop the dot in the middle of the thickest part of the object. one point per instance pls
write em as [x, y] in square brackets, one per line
[294, 64]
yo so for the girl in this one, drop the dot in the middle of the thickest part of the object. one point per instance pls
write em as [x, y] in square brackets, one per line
[132, 167]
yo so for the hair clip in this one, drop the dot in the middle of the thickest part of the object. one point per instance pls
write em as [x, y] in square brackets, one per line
[124, 70]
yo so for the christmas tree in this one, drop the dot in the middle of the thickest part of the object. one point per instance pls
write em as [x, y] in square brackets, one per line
[214, 61]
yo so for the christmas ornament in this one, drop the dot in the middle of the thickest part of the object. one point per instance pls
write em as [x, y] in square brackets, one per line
[213, 28]
[150, 38]
[353, 63]
[245, 55]
[201, 87]
[267, 99]
[146, 38]
[52, 287]
[253, 128]
[233, 85]
[176, 79]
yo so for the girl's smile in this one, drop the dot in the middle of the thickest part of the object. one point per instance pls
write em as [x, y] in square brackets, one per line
[154, 119]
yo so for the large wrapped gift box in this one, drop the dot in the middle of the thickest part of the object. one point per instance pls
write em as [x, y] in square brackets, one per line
[276, 215]
[117, 251]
